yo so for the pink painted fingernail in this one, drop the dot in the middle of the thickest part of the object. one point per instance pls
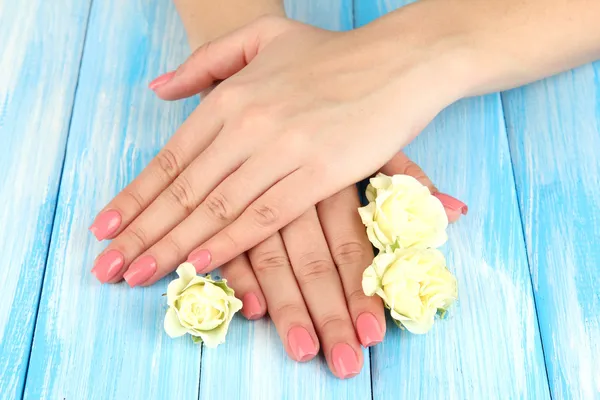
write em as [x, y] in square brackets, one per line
[106, 224]
[345, 361]
[108, 265]
[201, 259]
[301, 344]
[368, 329]
[251, 309]
[161, 80]
[452, 203]
[140, 271]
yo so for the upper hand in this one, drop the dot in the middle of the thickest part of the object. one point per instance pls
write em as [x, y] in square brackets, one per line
[303, 114]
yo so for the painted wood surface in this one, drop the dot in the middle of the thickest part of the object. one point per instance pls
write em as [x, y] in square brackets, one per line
[40, 51]
[554, 132]
[97, 341]
[489, 346]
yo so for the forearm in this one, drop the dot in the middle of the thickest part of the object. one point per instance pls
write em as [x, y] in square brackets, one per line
[208, 19]
[503, 43]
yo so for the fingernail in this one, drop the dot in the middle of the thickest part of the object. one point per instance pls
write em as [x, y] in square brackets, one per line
[251, 309]
[200, 258]
[161, 80]
[140, 271]
[106, 224]
[344, 361]
[452, 203]
[108, 265]
[301, 344]
[368, 328]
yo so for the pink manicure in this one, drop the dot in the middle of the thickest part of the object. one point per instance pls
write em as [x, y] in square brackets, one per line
[201, 259]
[140, 271]
[301, 344]
[368, 329]
[106, 224]
[108, 265]
[344, 361]
[454, 207]
[161, 80]
[251, 309]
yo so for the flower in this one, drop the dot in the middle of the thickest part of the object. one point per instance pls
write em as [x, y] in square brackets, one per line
[199, 306]
[403, 213]
[414, 284]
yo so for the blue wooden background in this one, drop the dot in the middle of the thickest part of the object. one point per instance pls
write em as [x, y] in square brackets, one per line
[77, 123]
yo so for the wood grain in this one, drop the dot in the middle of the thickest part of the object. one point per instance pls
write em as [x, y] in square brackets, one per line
[253, 359]
[489, 347]
[554, 132]
[41, 50]
[97, 341]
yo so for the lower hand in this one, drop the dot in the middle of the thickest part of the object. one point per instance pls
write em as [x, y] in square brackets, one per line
[308, 277]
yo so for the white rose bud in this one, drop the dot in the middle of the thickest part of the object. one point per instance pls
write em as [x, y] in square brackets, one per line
[414, 284]
[199, 306]
[403, 213]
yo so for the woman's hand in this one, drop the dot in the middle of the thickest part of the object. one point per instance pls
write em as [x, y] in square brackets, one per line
[308, 276]
[306, 113]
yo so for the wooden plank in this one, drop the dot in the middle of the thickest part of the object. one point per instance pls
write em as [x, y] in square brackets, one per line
[41, 51]
[97, 341]
[489, 347]
[253, 364]
[554, 133]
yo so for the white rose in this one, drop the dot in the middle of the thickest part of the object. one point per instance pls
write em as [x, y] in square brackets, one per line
[199, 306]
[414, 284]
[403, 213]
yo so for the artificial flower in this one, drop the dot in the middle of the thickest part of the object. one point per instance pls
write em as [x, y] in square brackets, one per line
[403, 213]
[200, 306]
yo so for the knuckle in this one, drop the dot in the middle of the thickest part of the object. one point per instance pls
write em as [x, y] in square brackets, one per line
[270, 260]
[331, 322]
[217, 207]
[133, 196]
[169, 163]
[255, 118]
[265, 215]
[182, 194]
[356, 296]
[174, 248]
[349, 253]
[286, 310]
[225, 95]
[314, 270]
[296, 142]
[137, 236]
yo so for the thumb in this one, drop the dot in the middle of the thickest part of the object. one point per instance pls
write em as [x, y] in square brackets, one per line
[219, 59]
[401, 164]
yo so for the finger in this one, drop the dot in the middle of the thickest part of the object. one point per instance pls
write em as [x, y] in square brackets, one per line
[219, 208]
[276, 208]
[170, 208]
[196, 133]
[218, 60]
[284, 301]
[323, 293]
[401, 164]
[240, 277]
[352, 253]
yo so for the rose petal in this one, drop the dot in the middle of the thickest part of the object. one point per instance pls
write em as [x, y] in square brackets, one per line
[172, 325]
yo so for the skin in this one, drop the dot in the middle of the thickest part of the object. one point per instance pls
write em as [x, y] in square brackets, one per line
[301, 115]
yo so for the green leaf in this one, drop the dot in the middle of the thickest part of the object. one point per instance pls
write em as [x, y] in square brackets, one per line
[196, 339]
